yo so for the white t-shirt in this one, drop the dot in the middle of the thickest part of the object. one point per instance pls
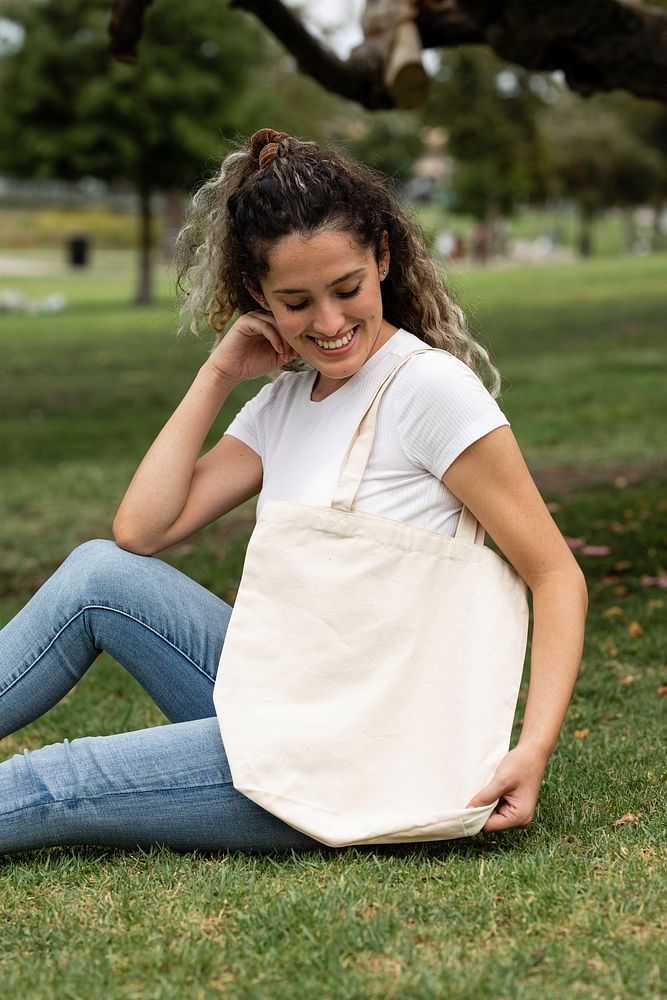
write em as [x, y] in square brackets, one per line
[432, 410]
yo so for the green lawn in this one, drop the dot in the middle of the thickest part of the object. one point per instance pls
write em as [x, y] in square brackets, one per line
[572, 907]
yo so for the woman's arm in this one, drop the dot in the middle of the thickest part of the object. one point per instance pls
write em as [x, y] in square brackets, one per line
[174, 492]
[491, 478]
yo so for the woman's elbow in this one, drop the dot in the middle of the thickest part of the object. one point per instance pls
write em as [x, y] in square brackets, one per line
[131, 542]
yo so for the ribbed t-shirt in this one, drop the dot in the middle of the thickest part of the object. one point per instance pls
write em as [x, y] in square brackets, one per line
[434, 408]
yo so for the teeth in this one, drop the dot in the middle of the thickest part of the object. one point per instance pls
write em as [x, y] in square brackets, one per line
[329, 345]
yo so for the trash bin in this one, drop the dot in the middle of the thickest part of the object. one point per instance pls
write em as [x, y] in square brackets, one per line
[78, 250]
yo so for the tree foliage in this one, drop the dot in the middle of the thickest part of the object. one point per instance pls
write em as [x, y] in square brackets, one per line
[493, 133]
[69, 110]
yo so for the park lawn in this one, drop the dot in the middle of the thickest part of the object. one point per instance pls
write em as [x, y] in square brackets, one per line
[571, 907]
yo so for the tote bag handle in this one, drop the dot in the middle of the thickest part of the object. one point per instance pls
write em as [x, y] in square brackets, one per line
[358, 453]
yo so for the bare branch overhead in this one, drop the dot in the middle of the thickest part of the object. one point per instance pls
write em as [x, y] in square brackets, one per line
[125, 28]
[599, 45]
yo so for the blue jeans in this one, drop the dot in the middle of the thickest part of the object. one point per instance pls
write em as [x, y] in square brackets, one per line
[166, 785]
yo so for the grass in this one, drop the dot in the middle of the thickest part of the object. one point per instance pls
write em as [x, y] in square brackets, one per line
[573, 906]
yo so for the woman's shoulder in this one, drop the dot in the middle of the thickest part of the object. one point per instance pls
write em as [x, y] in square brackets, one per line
[432, 368]
[285, 386]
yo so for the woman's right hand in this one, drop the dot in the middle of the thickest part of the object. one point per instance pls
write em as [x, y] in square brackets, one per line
[252, 347]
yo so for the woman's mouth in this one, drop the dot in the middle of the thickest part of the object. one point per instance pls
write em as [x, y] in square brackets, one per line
[338, 346]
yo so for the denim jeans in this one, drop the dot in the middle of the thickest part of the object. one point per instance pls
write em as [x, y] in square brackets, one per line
[168, 785]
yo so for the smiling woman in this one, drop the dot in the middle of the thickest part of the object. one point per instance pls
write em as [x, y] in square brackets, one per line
[379, 459]
[334, 319]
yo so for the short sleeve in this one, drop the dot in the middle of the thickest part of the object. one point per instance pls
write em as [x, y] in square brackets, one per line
[442, 407]
[247, 425]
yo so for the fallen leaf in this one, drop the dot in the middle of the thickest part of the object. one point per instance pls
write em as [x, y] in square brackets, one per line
[622, 565]
[634, 628]
[613, 612]
[662, 690]
[655, 602]
[621, 591]
[628, 818]
[595, 550]
[628, 679]
[581, 734]
[609, 648]
[623, 851]
[621, 481]
[655, 581]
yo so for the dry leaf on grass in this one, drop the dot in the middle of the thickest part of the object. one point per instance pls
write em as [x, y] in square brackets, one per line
[662, 690]
[581, 734]
[613, 612]
[634, 628]
[628, 818]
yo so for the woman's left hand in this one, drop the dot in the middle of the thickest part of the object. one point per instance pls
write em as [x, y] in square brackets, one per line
[516, 784]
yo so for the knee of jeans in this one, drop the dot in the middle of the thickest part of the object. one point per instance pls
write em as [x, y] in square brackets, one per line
[98, 568]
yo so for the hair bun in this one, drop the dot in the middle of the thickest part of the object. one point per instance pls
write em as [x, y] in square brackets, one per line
[266, 144]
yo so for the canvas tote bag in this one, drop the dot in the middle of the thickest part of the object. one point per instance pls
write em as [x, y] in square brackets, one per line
[367, 686]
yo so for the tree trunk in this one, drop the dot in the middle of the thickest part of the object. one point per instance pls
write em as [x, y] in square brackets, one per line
[657, 235]
[492, 224]
[174, 214]
[145, 283]
[629, 229]
[585, 231]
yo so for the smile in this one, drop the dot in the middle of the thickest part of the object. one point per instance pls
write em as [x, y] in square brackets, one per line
[335, 345]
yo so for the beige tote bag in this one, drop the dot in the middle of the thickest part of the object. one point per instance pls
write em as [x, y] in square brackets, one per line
[369, 677]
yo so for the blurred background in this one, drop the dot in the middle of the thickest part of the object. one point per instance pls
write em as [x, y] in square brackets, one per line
[98, 159]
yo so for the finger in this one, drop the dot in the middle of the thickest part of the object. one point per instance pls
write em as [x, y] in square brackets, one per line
[264, 329]
[505, 820]
[488, 795]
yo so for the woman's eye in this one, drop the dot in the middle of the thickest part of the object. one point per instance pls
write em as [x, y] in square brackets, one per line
[296, 307]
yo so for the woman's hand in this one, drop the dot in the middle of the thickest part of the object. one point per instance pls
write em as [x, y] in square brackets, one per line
[516, 784]
[251, 347]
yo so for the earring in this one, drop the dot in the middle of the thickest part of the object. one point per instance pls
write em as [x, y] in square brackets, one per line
[385, 272]
[264, 304]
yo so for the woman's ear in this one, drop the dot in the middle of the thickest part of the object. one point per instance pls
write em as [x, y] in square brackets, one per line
[257, 296]
[383, 262]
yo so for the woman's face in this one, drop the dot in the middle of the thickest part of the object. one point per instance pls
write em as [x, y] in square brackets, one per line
[324, 292]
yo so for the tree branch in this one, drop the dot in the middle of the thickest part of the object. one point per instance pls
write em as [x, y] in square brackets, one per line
[358, 78]
[125, 29]
[598, 44]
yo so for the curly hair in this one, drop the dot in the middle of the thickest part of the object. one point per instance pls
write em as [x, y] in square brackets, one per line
[276, 185]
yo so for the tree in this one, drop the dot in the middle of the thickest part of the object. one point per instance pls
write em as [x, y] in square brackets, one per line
[598, 45]
[68, 110]
[599, 162]
[493, 135]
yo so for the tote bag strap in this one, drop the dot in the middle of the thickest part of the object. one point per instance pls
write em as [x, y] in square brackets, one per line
[358, 453]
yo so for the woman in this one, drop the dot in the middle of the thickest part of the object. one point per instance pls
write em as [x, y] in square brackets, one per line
[330, 279]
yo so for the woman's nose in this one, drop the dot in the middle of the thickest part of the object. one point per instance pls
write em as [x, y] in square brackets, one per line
[328, 319]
